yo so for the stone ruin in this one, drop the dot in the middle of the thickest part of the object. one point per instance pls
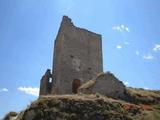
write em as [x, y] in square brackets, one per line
[106, 84]
[77, 59]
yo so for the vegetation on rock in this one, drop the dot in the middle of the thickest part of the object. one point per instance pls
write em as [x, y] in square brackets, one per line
[140, 105]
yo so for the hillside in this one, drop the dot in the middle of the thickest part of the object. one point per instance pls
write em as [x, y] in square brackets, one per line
[95, 107]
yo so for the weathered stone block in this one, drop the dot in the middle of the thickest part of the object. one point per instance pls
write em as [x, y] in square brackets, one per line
[105, 84]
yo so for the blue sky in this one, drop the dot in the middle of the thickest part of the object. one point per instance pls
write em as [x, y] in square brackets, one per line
[130, 31]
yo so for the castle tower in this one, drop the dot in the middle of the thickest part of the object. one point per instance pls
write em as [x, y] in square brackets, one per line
[77, 57]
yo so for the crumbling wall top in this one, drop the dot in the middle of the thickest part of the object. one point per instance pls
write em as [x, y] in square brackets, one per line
[67, 21]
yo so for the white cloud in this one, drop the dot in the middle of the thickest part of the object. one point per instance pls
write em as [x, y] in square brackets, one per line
[119, 47]
[148, 57]
[156, 47]
[120, 28]
[126, 43]
[4, 90]
[126, 83]
[29, 90]
[137, 53]
[127, 29]
[146, 88]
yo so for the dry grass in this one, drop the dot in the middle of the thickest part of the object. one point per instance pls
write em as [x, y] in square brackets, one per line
[143, 93]
[73, 107]
[141, 96]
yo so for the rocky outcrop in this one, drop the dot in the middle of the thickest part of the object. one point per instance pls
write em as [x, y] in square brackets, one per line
[90, 107]
[76, 107]
[105, 84]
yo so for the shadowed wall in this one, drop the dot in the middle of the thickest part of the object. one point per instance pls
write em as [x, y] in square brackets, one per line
[77, 55]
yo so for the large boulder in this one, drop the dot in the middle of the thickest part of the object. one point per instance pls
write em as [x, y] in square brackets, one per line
[105, 84]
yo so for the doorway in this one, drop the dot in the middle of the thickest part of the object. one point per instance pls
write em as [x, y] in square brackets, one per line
[75, 85]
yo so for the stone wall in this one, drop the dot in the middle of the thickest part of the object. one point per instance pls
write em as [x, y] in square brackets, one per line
[46, 83]
[77, 55]
[105, 84]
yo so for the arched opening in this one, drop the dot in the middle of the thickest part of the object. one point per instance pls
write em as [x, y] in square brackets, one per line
[49, 85]
[75, 85]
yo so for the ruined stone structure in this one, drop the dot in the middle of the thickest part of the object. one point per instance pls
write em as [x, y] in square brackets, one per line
[46, 83]
[105, 84]
[77, 59]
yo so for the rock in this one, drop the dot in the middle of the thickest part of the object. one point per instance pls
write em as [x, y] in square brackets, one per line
[74, 107]
[30, 115]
